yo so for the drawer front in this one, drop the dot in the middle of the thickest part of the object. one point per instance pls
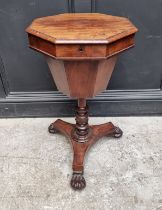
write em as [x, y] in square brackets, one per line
[80, 51]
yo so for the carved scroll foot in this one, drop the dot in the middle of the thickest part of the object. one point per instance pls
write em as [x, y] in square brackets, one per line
[60, 126]
[107, 129]
[77, 181]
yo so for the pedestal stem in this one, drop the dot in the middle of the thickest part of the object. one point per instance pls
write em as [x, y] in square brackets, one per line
[82, 102]
[82, 130]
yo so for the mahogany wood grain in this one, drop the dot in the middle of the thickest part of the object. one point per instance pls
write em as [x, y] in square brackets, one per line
[81, 51]
[58, 72]
[80, 148]
[81, 36]
[87, 28]
[81, 79]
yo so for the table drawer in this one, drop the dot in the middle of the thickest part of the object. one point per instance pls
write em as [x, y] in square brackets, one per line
[80, 51]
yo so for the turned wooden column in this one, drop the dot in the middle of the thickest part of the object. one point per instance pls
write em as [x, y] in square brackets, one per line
[81, 51]
[82, 129]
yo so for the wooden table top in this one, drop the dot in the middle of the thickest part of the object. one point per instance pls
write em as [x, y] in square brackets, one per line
[86, 28]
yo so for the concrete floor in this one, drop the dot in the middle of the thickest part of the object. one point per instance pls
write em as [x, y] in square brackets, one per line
[35, 167]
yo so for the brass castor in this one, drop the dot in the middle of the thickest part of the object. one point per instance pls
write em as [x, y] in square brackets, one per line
[117, 133]
[52, 130]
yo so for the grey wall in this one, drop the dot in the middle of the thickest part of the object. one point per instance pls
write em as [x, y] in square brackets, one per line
[26, 85]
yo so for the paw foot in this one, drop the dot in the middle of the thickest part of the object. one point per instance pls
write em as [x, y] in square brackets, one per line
[77, 181]
[117, 133]
[52, 130]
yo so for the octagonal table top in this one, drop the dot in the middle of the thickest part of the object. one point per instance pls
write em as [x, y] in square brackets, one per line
[81, 28]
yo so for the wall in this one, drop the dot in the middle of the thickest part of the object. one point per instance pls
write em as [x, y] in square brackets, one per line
[26, 85]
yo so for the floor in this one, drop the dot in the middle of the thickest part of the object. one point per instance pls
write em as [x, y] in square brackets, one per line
[35, 167]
